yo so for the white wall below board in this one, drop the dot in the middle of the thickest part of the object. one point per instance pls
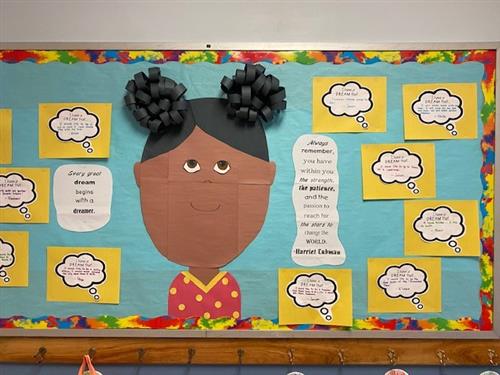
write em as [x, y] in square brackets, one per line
[335, 21]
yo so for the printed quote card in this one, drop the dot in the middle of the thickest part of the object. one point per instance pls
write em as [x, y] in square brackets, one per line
[441, 228]
[404, 285]
[83, 274]
[349, 104]
[314, 296]
[74, 130]
[24, 195]
[315, 196]
[440, 111]
[398, 171]
[14, 259]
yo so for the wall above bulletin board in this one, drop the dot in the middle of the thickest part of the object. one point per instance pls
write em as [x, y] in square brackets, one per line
[248, 193]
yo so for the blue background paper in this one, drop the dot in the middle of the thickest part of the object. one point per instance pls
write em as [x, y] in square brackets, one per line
[367, 229]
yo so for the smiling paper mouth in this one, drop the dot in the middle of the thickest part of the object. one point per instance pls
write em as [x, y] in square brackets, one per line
[205, 209]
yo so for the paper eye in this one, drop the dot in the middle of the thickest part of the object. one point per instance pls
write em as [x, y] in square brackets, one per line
[222, 167]
[191, 166]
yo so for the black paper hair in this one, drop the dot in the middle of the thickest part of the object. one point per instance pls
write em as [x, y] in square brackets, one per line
[236, 122]
[157, 102]
[252, 94]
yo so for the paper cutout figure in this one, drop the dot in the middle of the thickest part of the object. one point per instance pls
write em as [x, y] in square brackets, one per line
[14, 259]
[5, 136]
[24, 195]
[398, 171]
[349, 104]
[315, 196]
[82, 196]
[440, 111]
[442, 228]
[74, 130]
[78, 274]
[204, 180]
[404, 285]
[311, 296]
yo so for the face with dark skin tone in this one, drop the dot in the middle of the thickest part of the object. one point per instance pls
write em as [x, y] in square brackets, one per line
[203, 202]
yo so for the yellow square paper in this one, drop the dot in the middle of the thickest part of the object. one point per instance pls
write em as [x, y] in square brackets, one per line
[404, 285]
[24, 194]
[441, 228]
[440, 111]
[398, 171]
[5, 136]
[83, 274]
[14, 259]
[315, 296]
[349, 104]
[74, 130]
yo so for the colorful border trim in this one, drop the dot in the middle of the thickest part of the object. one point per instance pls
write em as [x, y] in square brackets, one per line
[486, 57]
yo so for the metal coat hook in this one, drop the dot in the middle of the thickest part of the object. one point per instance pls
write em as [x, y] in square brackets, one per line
[443, 358]
[40, 355]
[141, 353]
[241, 353]
[492, 355]
[92, 352]
[191, 354]
[341, 355]
[291, 353]
[393, 356]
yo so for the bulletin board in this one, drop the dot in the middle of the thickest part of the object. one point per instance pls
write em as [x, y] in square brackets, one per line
[405, 244]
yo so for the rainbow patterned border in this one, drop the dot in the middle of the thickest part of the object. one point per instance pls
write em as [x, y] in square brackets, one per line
[486, 57]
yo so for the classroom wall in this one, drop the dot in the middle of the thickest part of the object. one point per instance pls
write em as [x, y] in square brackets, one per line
[353, 21]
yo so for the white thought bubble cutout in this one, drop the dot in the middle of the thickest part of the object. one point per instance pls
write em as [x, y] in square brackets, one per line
[338, 103]
[75, 125]
[393, 283]
[410, 169]
[83, 271]
[439, 107]
[316, 291]
[7, 259]
[449, 227]
[17, 191]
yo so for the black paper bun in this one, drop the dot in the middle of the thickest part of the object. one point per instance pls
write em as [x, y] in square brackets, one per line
[157, 102]
[252, 94]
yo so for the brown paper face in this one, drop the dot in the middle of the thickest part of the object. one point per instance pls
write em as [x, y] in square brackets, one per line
[204, 201]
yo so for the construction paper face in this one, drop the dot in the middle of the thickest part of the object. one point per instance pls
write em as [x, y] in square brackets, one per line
[312, 296]
[14, 259]
[83, 274]
[82, 196]
[5, 136]
[440, 111]
[349, 104]
[398, 171]
[441, 228]
[24, 195]
[404, 285]
[74, 130]
[204, 201]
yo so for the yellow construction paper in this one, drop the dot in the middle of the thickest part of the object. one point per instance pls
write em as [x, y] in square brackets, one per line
[398, 171]
[404, 285]
[74, 130]
[299, 304]
[450, 112]
[83, 274]
[349, 104]
[24, 195]
[441, 228]
[5, 136]
[14, 259]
